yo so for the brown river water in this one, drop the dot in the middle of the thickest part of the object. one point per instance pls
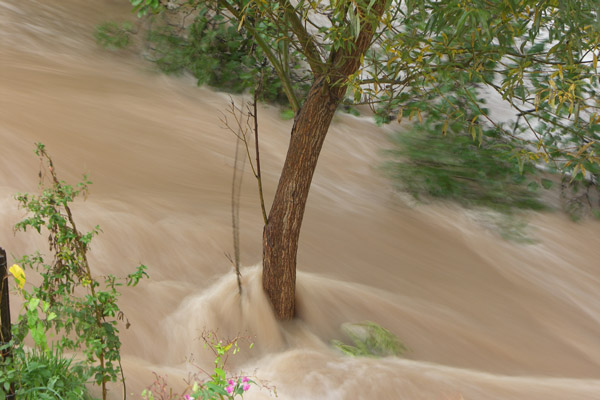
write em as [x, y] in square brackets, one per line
[483, 318]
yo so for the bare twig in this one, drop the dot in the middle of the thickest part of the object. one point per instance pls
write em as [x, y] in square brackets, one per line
[244, 122]
[236, 190]
[240, 130]
[256, 147]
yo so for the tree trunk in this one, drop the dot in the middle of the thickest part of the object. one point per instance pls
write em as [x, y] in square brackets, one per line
[281, 234]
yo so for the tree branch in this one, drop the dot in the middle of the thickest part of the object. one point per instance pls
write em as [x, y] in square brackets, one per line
[307, 44]
[285, 79]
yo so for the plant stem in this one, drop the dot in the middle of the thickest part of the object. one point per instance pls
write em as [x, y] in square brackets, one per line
[258, 174]
[82, 249]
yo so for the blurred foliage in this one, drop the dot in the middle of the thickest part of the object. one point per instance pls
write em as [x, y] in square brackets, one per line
[438, 157]
[113, 36]
[220, 55]
[369, 340]
[458, 168]
[580, 197]
[286, 114]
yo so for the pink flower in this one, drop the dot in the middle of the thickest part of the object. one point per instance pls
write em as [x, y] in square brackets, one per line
[231, 382]
[188, 397]
[245, 379]
[246, 386]
[229, 389]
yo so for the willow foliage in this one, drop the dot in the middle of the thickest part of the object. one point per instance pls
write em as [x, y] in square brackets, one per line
[539, 56]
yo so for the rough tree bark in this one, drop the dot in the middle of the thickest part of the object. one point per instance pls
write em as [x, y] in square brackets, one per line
[282, 232]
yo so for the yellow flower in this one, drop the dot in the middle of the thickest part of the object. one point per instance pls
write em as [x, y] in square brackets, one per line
[19, 275]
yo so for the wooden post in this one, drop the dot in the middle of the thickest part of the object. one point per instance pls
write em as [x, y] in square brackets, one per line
[5, 324]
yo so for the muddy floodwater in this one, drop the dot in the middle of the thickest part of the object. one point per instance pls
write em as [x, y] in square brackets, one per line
[483, 318]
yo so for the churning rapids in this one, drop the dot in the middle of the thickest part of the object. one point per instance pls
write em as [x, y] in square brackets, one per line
[483, 318]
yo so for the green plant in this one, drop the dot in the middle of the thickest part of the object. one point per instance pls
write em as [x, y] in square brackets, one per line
[217, 386]
[113, 36]
[370, 340]
[41, 372]
[81, 309]
[40, 375]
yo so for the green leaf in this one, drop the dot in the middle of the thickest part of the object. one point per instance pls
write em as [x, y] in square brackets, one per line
[215, 388]
[220, 373]
[462, 20]
[33, 303]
